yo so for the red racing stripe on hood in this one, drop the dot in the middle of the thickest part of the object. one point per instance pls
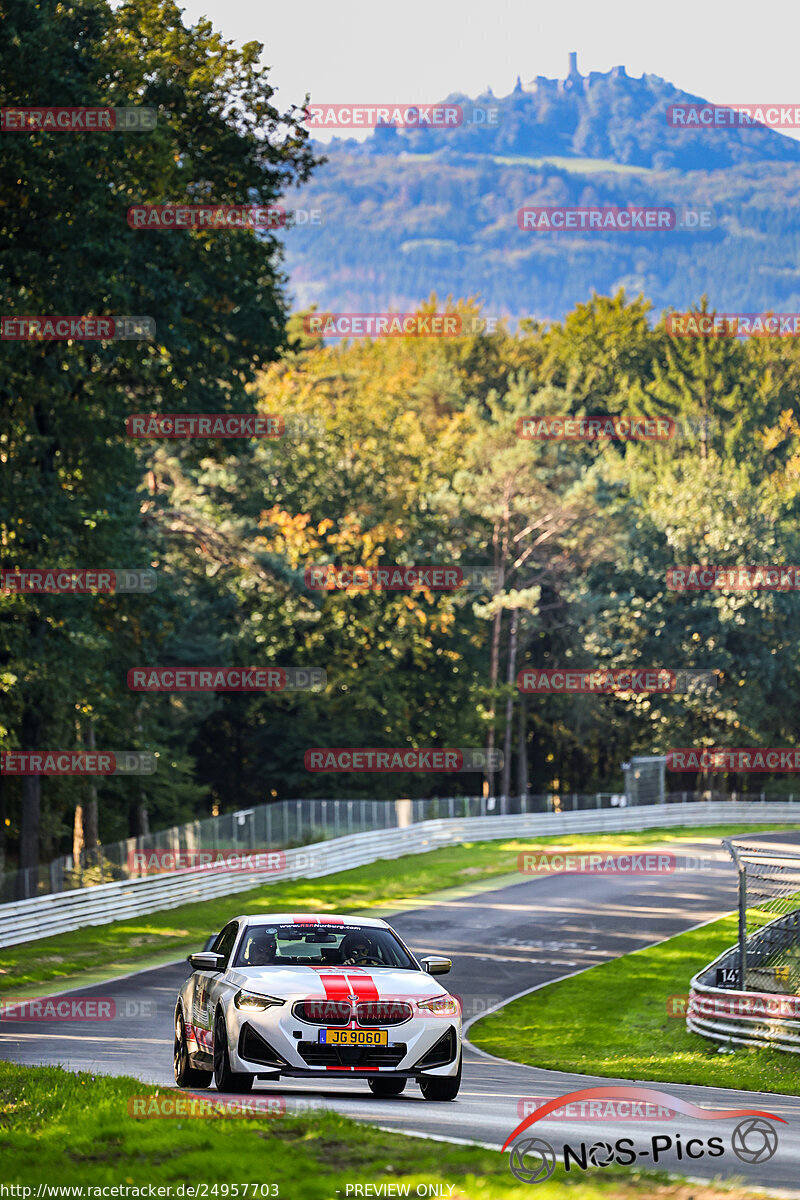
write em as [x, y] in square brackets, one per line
[336, 985]
[364, 986]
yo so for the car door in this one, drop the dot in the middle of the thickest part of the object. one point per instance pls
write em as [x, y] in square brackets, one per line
[208, 986]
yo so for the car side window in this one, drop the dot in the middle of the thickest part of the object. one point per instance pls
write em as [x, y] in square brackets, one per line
[224, 943]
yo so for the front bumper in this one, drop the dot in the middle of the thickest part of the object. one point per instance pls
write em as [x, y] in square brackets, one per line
[276, 1041]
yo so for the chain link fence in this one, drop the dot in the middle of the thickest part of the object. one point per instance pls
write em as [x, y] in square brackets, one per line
[769, 917]
[284, 824]
[280, 825]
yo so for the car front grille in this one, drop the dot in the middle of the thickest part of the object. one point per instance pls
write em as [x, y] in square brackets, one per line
[383, 1012]
[368, 1013]
[319, 1054]
[323, 1012]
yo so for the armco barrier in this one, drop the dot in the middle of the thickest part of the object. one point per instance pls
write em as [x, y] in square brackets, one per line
[43, 916]
[747, 1018]
[706, 1015]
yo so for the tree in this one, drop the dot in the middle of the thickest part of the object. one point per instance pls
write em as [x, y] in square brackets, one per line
[69, 490]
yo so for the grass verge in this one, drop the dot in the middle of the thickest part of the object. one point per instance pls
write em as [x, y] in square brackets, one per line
[68, 959]
[75, 1130]
[613, 1020]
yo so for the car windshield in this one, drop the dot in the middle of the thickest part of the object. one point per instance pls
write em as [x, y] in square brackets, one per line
[321, 945]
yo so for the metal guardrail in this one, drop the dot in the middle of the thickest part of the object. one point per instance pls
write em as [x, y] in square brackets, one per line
[43, 916]
[729, 1015]
[287, 823]
[278, 825]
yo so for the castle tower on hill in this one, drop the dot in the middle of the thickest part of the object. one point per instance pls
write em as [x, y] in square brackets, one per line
[574, 81]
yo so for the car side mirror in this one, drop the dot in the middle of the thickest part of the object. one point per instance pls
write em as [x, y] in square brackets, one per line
[434, 964]
[206, 961]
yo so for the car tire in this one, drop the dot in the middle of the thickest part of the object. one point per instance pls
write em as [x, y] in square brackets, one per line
[185, 1074]
[438, 1087]
[225, 1079]
[385, 1088]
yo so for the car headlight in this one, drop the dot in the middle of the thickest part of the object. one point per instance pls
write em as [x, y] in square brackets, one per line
[440, 1006]
[252, 1000]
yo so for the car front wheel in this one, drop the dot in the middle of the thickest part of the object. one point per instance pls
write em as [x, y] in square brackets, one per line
[438, 1087]
[185, 1074]
[225, 1079]
[386, 1087]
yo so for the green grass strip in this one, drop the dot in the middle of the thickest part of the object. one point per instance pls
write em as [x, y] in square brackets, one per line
[99, 952]
[613, 1020]
[64, 1129]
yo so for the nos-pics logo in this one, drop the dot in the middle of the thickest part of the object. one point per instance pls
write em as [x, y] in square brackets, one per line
[533, 1159]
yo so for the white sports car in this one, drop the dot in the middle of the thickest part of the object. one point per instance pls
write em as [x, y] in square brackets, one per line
[309, 996]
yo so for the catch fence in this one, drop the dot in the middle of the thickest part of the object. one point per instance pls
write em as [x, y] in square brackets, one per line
[42, 916]
[285, 824]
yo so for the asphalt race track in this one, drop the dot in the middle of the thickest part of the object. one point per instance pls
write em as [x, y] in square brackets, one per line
[502, 942]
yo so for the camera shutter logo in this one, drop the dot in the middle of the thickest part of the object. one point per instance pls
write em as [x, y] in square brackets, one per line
[601, 1154]
[544, 1160]
[754, 1140]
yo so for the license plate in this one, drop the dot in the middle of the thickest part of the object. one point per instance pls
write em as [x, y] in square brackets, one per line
[354, 1037]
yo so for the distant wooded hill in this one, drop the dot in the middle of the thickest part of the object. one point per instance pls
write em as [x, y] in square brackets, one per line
[412, 211]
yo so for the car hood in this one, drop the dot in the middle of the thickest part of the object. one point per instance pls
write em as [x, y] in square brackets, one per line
[337, 983]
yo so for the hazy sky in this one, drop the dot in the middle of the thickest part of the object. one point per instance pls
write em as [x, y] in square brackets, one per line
[419, 50]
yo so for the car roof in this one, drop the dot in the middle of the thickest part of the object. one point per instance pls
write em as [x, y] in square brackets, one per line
[310, 919]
